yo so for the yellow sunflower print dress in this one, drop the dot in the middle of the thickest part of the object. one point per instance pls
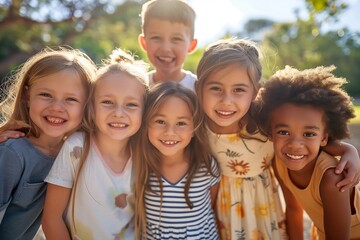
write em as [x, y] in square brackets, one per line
[248, 203]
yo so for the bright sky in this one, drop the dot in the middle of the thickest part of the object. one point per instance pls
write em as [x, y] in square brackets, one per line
[215, 17]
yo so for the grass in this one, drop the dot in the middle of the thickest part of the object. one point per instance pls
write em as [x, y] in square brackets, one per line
[357, 113]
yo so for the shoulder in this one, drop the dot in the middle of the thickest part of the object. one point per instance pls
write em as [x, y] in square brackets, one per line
[325, 168]
[16, 144]
[13, 155]
[76, 139]
[20, 148]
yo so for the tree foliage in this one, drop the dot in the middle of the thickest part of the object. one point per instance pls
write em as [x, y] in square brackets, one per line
[99, 26]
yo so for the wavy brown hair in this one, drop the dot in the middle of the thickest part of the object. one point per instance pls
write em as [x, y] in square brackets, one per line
[148, 158]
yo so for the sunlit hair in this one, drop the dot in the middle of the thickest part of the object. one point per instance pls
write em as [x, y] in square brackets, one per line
[118, 62]
[46, 62]
[228, 52]
[317, 87]
[177, 11]
[148, 158]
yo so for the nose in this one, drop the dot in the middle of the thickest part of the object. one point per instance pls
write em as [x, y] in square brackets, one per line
[227, 98]
[296, 142]
[170, 129]
[58, 105]
[166, 45]
[119, 111]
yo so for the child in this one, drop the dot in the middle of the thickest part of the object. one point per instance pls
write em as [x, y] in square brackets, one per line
[248, 205]
[301, 111]
[89, 194]
[47, 99]
[167, 37]
[176, 176]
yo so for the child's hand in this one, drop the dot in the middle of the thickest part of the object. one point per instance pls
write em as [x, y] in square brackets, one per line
[10, 134]
[12, 131]
[350, 165]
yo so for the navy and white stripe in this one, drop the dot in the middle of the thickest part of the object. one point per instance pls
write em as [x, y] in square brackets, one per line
[173, 219]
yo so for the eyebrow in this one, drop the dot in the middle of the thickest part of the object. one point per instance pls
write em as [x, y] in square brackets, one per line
[181, 117]
[309, 127]
[235, 85]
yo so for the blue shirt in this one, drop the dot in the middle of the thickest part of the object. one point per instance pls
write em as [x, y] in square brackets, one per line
[23, 169]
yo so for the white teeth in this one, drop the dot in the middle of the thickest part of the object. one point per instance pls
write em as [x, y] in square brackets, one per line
[55, 120]
[169, 142]
[295, 156]
[225, 113]
[166, 59]
[117, 125]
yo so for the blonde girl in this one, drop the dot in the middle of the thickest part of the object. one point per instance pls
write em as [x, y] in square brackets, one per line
[90, 184]
[248, 205]
[176, 176]
[47, 98]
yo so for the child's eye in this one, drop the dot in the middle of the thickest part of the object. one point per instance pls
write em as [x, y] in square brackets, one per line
[132, 105]
[106, 102]
[72, 100]
[155, 38]
[159, 121]
[215, 89]
[283, 132]
[238, 90]
[177, 39]
[309, 134]
[45, 95]
[181, 124]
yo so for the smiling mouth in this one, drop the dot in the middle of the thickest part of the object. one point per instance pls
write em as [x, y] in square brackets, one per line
[118, 125]
[225, 113]
[166, 59]
[295, 157]
[169, 142]
[55, 120]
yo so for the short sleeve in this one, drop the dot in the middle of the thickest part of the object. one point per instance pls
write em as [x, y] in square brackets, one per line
[10, 174]
[64, 169]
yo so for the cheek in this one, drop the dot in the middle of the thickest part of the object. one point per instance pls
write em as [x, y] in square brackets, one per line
[151, 135]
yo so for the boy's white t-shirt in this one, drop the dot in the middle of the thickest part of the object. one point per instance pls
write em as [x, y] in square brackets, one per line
[98, 193]
[188, 81]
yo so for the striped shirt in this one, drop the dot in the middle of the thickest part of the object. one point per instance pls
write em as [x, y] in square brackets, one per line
[173, 219]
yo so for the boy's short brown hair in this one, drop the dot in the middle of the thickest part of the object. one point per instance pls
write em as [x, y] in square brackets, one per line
[171, 10]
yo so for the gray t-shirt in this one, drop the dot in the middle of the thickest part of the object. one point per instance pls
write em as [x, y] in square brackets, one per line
[23, 169]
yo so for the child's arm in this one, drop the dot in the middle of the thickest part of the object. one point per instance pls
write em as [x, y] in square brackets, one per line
[336, 206]
[293, 211]
[53, 223]
[349, 162]
[213, 194]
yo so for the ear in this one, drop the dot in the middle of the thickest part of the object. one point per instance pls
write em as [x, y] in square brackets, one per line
[325, 139]
[192, 46]
[142, 41]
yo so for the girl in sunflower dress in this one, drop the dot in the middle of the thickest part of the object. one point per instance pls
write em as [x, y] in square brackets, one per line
[248, 204]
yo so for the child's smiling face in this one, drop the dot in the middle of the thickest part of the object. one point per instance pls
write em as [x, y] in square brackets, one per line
[298, 132]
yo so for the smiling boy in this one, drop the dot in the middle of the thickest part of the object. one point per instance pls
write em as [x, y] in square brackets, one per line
[168, 37]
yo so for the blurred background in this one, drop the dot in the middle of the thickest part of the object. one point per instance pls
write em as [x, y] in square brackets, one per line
[300, 33]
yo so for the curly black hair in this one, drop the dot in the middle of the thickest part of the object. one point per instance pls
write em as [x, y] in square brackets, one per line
[316, 87]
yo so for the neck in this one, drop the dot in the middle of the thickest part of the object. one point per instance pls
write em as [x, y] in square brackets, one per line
[114, 153]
